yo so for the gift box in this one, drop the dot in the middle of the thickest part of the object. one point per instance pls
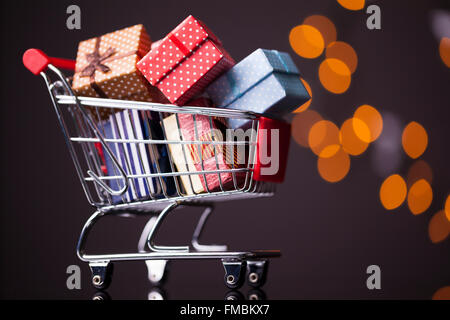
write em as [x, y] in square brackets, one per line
[272, 150]
[134, 158]
[106, 67]
[266, 81]
[200, 157]
[159, 152]
[184, 62]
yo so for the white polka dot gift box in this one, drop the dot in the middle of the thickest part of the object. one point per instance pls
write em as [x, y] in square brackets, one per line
[186, 61]
[266, 81]
[106, 67]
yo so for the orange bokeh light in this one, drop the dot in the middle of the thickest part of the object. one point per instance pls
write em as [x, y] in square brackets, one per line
[301, 125]
[324, 25]
[447, 208]
[444, 51]
[323, 133]
[420, 196]
[352, 4]
[414, 140]
[306, 41]
[419, 170]
[343, 51]
[334, 168]
[393, 192]
[335, 75]
[439, 227]
[373, 120]
[350, 141]
[306, 105]
[442, 294]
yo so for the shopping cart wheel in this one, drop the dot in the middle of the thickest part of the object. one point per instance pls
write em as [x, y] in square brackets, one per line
[257, 272]
[234, 295]
[101, 274]
[234, 273]
[157, 271]
[256, 294]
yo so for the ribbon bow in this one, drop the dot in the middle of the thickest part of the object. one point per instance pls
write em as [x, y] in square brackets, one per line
[95, 60]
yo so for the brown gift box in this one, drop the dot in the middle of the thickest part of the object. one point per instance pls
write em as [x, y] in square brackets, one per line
[106, 67]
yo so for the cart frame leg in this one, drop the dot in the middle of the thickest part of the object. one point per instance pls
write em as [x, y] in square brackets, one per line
[198, 231]
[156, 269]
[155, 228]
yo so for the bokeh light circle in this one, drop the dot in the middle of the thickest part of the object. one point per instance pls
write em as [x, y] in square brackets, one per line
[306, 105]
[420, 196]
[352, 4]
[442, 294]
[334, 168]
[393, 192]
[420, 169]
[324, 25]
[323, 133]
[350, 141]
[301, 125]
[444, 51]
[373, 120]
[343, 51]
[438, 227]
[414, 140]
[329, 150]
[447, 208]
[306, 41]
[334, 75]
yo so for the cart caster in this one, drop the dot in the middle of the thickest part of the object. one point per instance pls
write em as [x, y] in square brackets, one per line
[257, 273]
[101, 274]
[157, 271]
[234, 295]
[234, 273]
[256, 294]
[101, 296]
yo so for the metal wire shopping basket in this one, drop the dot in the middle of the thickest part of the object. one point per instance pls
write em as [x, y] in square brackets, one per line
[116, 184]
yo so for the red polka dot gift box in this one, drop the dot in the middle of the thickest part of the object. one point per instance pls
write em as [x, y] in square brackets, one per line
[106, 68]
[194, 158]
[186, 61]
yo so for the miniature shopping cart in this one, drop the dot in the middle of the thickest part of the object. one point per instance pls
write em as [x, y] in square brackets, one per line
[86, 140]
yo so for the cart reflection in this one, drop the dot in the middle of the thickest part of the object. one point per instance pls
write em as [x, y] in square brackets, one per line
[159, 293]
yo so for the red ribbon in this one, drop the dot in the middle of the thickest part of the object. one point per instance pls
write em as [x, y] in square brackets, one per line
[179, 44]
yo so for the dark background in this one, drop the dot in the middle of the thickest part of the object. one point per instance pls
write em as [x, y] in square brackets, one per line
[328, 233]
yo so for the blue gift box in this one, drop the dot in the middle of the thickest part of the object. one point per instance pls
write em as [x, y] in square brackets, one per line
[136, 158]
[266, 81]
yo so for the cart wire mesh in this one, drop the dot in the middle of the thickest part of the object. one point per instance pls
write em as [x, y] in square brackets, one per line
[124, 162]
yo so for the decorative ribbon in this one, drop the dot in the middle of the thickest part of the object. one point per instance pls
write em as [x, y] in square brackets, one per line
[172, 37]
[232, 83]
[95, 62]
[281, 60]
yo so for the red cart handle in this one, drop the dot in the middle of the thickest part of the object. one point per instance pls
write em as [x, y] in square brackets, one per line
[37, 61]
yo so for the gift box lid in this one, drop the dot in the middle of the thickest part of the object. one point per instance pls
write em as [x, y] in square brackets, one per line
[176, 46]
[248, 73]
[106, 65]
